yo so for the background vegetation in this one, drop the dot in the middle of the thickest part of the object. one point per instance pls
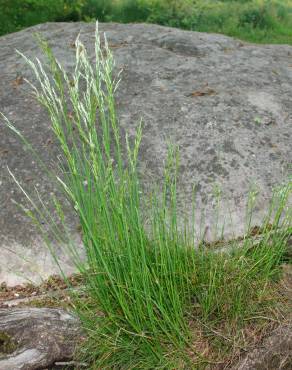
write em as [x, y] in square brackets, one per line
[265, 21]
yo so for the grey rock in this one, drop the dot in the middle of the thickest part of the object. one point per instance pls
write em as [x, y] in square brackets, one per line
[41, 337]
[227, 104]
[274, 353]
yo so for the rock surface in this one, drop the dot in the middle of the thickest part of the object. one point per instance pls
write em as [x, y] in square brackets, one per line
[274, 353]
[227, 104]
[42, 336]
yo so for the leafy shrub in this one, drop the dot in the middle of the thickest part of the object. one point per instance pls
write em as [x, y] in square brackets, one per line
[131, 11]
[92, 9]
[17, 14]
[259, 17]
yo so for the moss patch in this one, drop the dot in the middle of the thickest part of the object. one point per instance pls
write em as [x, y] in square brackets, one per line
[7, 344]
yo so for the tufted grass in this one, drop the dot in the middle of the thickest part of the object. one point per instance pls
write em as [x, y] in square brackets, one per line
[147, 283]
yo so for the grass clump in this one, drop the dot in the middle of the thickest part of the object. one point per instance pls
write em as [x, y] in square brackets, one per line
[145, 282]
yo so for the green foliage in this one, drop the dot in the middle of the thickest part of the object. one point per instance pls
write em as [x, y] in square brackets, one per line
[92, 9]
[17, 14]
[257, 17]
[267, 21]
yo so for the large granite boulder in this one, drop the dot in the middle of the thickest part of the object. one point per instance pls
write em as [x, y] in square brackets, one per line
[226, 103]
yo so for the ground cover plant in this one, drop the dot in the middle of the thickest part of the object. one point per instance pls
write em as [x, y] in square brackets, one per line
[154, 297]
[264, 21]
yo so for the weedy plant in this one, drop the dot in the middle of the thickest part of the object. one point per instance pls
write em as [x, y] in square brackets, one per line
[143, 285]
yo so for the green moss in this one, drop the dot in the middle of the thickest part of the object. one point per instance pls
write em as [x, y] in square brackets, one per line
[7, 344]
[48, 302]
